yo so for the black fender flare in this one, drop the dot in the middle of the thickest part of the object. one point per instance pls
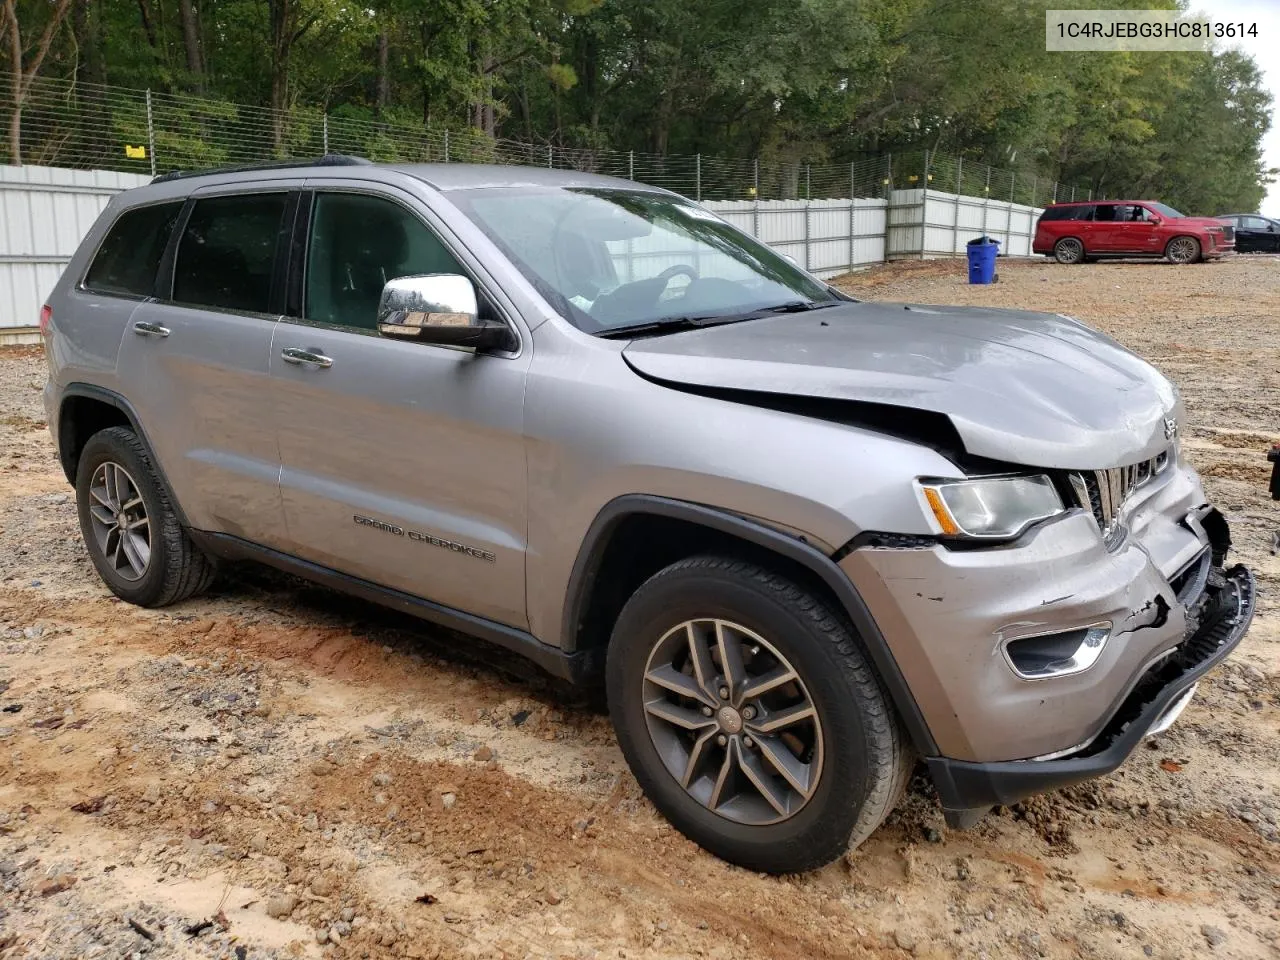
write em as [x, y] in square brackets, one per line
[591, 553]
[112, 399]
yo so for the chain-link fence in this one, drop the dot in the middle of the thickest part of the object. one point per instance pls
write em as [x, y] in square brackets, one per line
[90, 126]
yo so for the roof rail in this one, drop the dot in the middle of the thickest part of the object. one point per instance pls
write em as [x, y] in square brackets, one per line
[328, 160]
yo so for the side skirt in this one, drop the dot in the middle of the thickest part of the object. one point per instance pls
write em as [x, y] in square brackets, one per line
[577, 668]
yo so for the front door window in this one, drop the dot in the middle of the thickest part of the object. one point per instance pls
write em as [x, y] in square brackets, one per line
[358, 243]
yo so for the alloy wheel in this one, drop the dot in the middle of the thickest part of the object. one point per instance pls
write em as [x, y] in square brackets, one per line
[732, 721]
[1069, 251]
[121, 527]
[1183, 250]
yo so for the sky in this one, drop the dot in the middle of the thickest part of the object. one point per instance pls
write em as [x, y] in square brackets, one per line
[1265, 49]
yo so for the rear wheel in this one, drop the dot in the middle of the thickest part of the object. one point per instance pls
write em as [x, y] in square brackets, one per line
[129, 526]
[1068, 250]
[1183, 250]
[751, 717]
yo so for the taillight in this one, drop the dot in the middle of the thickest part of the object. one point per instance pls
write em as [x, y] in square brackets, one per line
[46, 318]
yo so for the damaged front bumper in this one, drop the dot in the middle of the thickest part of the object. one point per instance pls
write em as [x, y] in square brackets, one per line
[969, 789]
[1042, 662]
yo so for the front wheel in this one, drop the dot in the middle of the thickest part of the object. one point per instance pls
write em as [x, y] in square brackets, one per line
[1183, 250]
[751, 717]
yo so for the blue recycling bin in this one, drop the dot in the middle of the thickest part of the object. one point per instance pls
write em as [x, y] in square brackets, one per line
[982, 259]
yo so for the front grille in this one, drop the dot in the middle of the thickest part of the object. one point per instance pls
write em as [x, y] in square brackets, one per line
[1105, 492]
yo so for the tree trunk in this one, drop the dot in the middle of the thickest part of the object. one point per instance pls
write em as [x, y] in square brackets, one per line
[384, 78]
[191, 40]
[281, 45]
[144, 11]
[24, 75]
[93, 115]
[15, 128]
[662, 123]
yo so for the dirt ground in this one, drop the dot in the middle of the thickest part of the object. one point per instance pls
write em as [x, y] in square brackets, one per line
[277, 771]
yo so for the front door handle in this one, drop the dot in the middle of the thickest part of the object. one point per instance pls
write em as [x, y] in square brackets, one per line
[150, 329]
[299, 355]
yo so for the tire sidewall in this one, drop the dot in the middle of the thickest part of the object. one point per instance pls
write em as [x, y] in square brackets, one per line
[112, 445]
[828, 819]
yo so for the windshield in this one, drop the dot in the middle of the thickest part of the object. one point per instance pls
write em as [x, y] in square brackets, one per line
[1166, 211]
[610, 259]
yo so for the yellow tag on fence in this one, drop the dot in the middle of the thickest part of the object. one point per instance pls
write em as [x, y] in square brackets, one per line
[135, 153]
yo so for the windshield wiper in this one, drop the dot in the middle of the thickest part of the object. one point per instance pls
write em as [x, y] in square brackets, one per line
[668, 325]
[798, 306]
[676, 324]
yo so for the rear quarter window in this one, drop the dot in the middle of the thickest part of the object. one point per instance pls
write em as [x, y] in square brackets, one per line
[129, 257]
[1065, 213]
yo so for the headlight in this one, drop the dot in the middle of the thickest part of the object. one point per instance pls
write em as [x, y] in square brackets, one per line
[996, 507]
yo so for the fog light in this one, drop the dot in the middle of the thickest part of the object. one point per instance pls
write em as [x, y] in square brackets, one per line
[1062, 654]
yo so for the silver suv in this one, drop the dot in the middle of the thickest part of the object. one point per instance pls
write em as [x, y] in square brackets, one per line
[800, 540]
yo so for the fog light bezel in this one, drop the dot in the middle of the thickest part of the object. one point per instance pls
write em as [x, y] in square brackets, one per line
[1083, 658]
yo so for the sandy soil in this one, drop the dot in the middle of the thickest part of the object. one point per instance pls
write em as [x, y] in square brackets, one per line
[276, 771]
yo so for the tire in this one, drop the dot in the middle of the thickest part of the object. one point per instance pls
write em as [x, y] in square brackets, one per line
[851, 756]
[1182, 250]
[171, 568]
[1069, 250]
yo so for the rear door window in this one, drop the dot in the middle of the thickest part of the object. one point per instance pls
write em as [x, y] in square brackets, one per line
[228, 250]
[1108, 212]
[127, 261]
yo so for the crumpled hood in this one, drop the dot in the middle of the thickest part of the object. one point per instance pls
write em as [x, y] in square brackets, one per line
[1023, 387]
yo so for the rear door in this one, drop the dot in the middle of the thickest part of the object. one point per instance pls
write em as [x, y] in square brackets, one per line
[403, 463]
[1103, 233]
[198, 359]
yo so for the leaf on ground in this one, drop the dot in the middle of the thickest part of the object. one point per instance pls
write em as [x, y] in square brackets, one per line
[1170, 766]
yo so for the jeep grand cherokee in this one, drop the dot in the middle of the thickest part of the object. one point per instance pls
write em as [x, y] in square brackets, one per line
[802, 540]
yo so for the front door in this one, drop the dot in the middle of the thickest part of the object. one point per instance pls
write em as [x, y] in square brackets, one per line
[1138, 231]
[198, 363]
[1256, 234]
[403, 463]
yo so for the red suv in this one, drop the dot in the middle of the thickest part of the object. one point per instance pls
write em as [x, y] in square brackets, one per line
[1078, 232]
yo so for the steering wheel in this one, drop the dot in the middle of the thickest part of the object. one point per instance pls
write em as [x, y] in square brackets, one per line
[667, 275]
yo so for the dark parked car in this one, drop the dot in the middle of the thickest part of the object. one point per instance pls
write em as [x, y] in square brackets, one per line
[1077, 232]
[1254, 233]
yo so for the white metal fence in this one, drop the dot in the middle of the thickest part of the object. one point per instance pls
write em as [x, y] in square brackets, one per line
[44, 212]
[929, 223]
[826, 237]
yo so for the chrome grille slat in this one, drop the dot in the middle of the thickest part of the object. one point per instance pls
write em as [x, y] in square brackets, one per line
[1105, 492]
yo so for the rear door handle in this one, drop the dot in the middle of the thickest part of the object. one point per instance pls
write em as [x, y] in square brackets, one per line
[298, 355]
[150, 329]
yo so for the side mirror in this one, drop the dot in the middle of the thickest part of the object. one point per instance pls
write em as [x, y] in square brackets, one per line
[438, 308]
[1154, 221]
